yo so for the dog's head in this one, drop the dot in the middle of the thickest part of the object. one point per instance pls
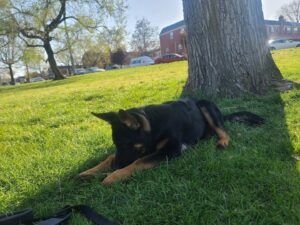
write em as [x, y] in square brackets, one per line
[131, 133]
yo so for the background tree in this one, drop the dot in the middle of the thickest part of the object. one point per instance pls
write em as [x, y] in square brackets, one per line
[40, 19]
[118, 57]
[291, 11]
[69, 46]
[10, 47]
[116, 35]
[79, 42]
[114, 38]
[96, 56]
[32, 58]
[145, 37]
[10, 53]
[227, 48]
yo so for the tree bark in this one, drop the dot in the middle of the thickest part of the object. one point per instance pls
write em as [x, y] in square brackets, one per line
[227, 48]
[69, 47]
[11, 73]
[27, 74]
[52, 62]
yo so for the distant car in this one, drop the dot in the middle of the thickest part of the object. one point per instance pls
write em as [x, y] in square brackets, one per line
[21, 79]
[282, 44]
[36, 79]
[95, 69]
[112, 67]
[141, 61]
[80, 71]
[170, 58]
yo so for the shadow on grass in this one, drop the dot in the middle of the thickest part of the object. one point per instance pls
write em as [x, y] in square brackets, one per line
[255, 181]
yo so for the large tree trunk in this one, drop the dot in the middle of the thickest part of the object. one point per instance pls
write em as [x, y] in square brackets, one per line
[11, 73]
[227, 48]
[52, 62]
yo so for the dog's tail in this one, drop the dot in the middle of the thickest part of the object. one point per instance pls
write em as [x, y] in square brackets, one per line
[245, 117]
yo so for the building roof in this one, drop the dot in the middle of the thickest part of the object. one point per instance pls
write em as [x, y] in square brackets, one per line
[277, 22]
[182, 23]
[172, 27]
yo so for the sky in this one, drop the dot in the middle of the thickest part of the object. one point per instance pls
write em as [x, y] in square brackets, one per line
[162, 13]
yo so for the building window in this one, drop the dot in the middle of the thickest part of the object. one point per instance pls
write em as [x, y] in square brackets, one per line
[296, 29]
[179, 47]
[167, 50]
[171, 35]
[289, 29]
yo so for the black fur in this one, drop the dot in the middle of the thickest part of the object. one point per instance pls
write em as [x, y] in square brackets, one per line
[173, 125]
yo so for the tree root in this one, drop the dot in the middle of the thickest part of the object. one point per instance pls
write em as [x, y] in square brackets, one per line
[284, 85]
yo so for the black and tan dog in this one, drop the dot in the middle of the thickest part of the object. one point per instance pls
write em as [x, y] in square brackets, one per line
[146, 136]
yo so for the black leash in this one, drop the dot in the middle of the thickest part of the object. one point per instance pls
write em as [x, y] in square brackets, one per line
[26, 217]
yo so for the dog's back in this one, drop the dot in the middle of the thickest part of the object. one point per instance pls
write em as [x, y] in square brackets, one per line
[180, 120]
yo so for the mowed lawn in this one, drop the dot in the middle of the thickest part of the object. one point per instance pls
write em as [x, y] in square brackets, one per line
[48, 136]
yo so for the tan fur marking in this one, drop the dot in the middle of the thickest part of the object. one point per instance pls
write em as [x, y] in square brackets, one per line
[107, 163]
[222, 135]
[145, 123]
[208, 117]
[129, 120]
[223, 138]
[140, 148]
[161, 144]
[138, 145]
[127, 171]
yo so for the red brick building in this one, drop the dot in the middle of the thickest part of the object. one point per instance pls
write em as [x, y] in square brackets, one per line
[282, 29]
[173, 37]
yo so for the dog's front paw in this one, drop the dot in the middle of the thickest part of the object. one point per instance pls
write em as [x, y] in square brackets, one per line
[86, 175]
[223, 143]
[116, 176]
[108, 180]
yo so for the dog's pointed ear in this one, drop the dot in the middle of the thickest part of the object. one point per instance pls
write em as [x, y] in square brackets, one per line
[145, 123]
[128, 119]
[109, 117]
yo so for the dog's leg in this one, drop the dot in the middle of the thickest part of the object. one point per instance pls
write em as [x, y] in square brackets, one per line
[223, 137]
[106, 164]
[217, 127]
[144, 163]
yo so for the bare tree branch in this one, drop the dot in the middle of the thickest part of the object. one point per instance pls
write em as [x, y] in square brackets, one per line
[61, 50]
[57, 20]
[76, 19]
[30, 45]
[291, 11]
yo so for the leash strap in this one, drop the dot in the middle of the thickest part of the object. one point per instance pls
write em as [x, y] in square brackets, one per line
[92, 215]
[16, 218]
[26, 217]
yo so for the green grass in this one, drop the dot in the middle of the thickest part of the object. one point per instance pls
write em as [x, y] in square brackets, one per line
[47, 136]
